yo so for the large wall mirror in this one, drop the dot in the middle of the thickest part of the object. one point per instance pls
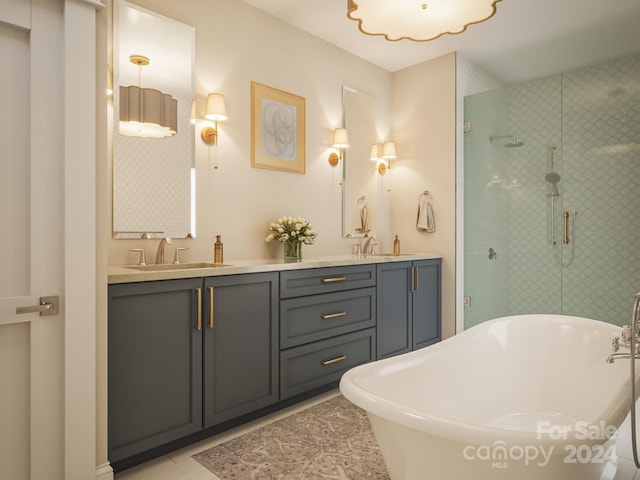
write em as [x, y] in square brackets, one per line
[153, 178]
[359, 191]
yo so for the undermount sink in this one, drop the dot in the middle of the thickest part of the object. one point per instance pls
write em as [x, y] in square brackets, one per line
[390, 254]
[176, 266]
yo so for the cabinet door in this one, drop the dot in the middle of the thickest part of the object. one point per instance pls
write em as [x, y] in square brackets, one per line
[155, 365]
[240, 345]
[426, 303]
[394, 309]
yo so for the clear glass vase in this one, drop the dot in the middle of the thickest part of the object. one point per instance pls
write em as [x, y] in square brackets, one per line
[292, 251]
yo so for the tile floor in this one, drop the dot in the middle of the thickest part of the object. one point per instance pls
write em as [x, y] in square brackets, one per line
[179, 465]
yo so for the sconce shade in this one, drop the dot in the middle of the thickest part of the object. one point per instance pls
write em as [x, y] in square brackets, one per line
[418, 21]
[147, 113]
[216, 108]
[389, 150]
[340, 138]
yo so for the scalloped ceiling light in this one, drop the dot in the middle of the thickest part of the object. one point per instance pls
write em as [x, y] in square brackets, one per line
[418, 20]
[146, 112]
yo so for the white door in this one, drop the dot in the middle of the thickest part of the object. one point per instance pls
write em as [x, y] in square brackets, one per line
[31, 242]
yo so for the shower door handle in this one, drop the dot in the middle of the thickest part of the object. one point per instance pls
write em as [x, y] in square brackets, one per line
[565, 224]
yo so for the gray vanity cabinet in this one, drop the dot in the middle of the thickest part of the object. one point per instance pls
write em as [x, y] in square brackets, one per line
[408, 306]
[191, 354]
[155, 365]
[240, 328]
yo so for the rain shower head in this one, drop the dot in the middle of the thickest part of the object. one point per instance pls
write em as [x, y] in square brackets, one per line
[513, 143]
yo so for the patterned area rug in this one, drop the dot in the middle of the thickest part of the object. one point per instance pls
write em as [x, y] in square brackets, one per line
[331, 440]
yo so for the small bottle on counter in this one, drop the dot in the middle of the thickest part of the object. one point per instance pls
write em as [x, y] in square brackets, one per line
[396, 246]
[217, 251]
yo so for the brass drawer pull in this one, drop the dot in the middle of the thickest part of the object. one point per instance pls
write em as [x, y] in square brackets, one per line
[335, 360]
[334, 315]
[334, 279]
[199, 308]
[210, 307]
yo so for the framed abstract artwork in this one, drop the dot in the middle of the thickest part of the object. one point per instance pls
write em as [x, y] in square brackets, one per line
[277, 129]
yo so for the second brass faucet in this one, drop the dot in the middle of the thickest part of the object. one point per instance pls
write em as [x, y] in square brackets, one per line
[160, 252]
[370, 245]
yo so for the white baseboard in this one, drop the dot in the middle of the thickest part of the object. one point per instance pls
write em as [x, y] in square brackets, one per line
[104, 472]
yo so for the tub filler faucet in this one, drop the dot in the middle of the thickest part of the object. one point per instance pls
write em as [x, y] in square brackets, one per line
[628, 338]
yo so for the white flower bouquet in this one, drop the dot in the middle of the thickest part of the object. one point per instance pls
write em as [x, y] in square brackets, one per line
[292, 230]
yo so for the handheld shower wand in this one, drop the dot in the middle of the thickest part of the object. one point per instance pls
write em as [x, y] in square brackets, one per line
[553, 178]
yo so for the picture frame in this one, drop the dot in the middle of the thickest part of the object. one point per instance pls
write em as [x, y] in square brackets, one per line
[277, 129]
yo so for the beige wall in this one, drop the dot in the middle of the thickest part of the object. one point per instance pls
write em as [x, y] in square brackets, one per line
[237, 44]
[424, 129]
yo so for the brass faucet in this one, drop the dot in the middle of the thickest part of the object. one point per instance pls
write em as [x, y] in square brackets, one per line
[160, 252]
[370, 245]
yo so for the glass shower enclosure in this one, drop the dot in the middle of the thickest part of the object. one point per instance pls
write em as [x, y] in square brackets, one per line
[552, 196]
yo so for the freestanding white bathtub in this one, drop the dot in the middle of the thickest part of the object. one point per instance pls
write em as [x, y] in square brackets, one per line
[520, 397]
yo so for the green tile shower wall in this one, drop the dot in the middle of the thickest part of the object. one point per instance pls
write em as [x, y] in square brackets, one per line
[592, 116]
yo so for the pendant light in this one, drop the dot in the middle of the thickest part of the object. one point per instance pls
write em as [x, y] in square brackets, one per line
[146, 112]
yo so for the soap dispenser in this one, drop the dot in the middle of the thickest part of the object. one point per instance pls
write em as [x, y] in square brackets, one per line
[396, 246]
[217, 251]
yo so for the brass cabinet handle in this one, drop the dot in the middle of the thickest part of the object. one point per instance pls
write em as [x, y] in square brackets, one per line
[210, 307]
[334, 279]
[334, 360]
[334, 315]
[414, 279]
[199, 308]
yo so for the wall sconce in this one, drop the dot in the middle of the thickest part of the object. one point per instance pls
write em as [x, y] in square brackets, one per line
[340, 141]
[193, 116]
[146, 112]
[216, 111]
[388, 152]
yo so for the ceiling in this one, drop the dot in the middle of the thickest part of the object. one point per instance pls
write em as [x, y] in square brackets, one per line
[525, 39]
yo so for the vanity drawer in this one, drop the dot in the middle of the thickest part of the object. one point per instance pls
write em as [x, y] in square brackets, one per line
[316, 317]
[320, 363]
[296, 283]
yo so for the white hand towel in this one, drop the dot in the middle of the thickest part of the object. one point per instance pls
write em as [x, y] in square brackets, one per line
[363, 220]
[426, 221]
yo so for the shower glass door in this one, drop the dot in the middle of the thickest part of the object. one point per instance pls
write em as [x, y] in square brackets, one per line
[552, 217]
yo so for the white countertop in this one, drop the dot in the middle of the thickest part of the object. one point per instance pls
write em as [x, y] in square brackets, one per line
[129, 274]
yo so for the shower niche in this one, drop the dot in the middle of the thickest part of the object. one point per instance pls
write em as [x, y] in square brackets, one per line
[551, 170]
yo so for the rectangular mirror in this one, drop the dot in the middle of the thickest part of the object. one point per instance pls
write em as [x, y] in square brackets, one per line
[359, 189]
[153, 178]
